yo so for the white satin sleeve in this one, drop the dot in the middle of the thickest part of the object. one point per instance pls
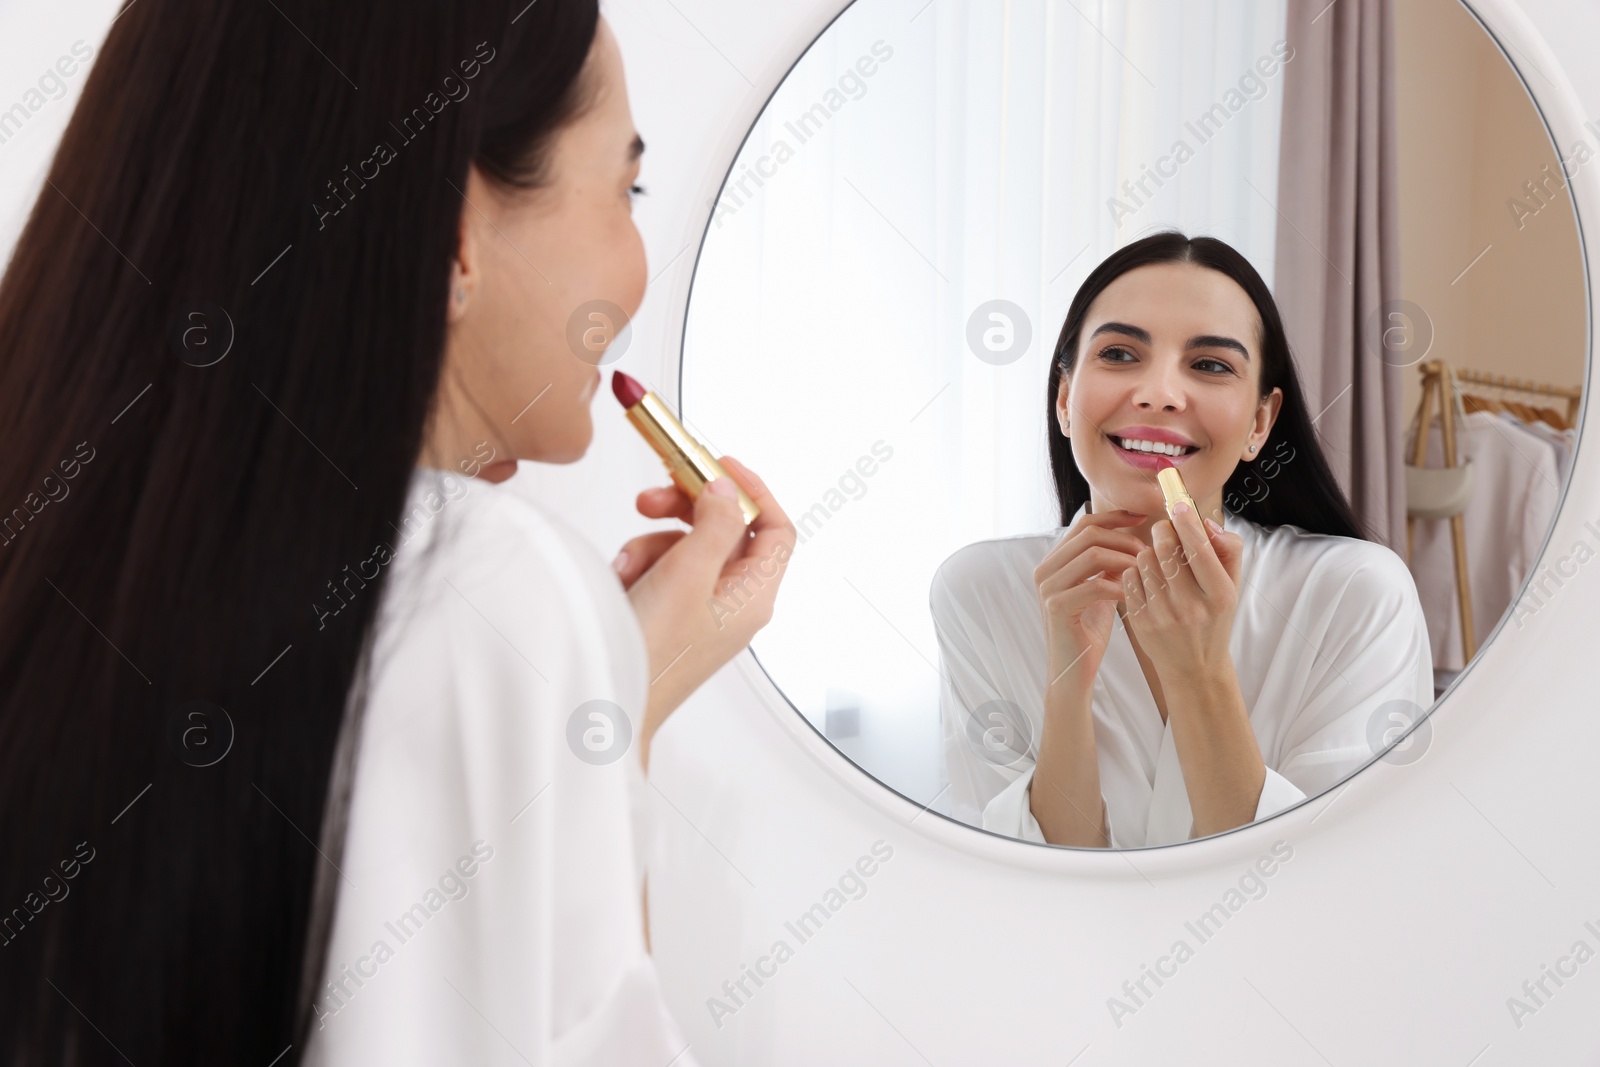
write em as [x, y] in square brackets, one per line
[987, 629]
[1369, 666]
[1277, 793]
[991, 665]
[537, 955]
[1011, 813]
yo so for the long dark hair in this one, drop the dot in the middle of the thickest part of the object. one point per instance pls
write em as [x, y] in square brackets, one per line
[169, 528]
[1290, 483]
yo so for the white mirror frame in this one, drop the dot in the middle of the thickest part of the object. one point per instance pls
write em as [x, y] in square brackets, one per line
[1557, 102]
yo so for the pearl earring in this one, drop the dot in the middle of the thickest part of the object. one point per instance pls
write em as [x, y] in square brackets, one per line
[1252, 448]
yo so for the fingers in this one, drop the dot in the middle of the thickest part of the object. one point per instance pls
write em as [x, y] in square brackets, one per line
[1167, 563]
[641, 553]
[1158, 568]
[1152, 582]
[665, 502]
[1068, 602]
[671, 502]
[1230, 549]
[774, 534]
[1107, 531]
[1228, 546]
[719, 542]
[1203, 566]
[756, 490]
[1092, 560]
[1114, 517]
[714, 538]
[1134, 593]
[1106, 524]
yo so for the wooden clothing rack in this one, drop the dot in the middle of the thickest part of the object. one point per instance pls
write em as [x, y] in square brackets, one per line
[1437, 383]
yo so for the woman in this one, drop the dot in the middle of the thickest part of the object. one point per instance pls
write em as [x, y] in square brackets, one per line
[1190, 674]
[318, 743]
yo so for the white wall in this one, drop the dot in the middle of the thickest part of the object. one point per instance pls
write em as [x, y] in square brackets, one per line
[1414, 901]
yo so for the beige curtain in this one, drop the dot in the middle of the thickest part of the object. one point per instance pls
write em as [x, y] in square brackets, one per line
[1338, 245]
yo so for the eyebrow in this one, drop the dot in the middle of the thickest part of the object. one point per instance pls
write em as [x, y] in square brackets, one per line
[1205, 340]
[636, 149]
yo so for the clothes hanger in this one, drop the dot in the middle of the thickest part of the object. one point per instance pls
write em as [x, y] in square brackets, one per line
[1525, 412]
[1554, 418]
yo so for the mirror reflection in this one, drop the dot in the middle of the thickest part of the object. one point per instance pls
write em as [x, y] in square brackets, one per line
[1005, 265]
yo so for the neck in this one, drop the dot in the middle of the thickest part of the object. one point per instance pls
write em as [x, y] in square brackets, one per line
[449, 445]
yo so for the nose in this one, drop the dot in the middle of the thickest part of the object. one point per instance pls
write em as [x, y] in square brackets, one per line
[1159, 386]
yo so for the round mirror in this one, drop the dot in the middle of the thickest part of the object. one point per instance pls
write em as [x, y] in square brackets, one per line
[981, 272]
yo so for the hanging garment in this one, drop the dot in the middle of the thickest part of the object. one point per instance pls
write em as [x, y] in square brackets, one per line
[1564, 441]
[1515, 488]
[1328, 633]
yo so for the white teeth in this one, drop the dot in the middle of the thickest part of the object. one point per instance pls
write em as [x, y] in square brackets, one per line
[1150, 446]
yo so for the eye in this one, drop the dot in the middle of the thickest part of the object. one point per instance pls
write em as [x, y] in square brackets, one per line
[1115, 348]
[635, 190]
[1224, 368]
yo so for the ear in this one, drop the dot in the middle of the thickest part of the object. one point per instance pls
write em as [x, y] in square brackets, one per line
[1266, 417]
[466, 270]
[1063, 414]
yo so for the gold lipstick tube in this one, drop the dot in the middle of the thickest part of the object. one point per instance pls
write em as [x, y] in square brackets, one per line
[686, 459]
[1174, 490]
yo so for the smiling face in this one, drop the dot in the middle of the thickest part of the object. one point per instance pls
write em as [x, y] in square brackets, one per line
[528, 263]
[1168, 352]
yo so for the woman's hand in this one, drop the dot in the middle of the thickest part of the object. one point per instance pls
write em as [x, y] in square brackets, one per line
[1182, 616]
[1182, 593]
[1079, 583]
[1079, 588]
[701, 594]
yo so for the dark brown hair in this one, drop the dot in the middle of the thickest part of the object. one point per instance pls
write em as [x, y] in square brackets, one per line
[1308, 497]
[170, 514]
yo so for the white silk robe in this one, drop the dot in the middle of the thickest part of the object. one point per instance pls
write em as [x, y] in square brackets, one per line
[1328, 632]
[489, 905]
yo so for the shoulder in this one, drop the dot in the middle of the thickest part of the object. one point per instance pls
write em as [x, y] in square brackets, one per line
[1362, 577]
[494, 536]
[478, 554]
[991, 564]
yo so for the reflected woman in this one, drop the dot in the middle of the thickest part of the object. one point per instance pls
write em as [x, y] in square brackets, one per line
[1131, 679]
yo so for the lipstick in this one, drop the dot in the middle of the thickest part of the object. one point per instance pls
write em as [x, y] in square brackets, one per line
[1172, 486]
[686, 459]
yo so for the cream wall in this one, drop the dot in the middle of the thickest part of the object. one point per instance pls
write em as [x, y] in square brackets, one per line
[1469, 140]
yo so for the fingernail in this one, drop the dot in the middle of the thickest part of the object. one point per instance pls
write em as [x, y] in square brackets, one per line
[620, 563]
[1181, 508]
[722, 487]
[1212, 525]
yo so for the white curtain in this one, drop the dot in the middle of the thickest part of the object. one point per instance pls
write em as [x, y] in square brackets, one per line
[955, 154]
[1046, 110]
